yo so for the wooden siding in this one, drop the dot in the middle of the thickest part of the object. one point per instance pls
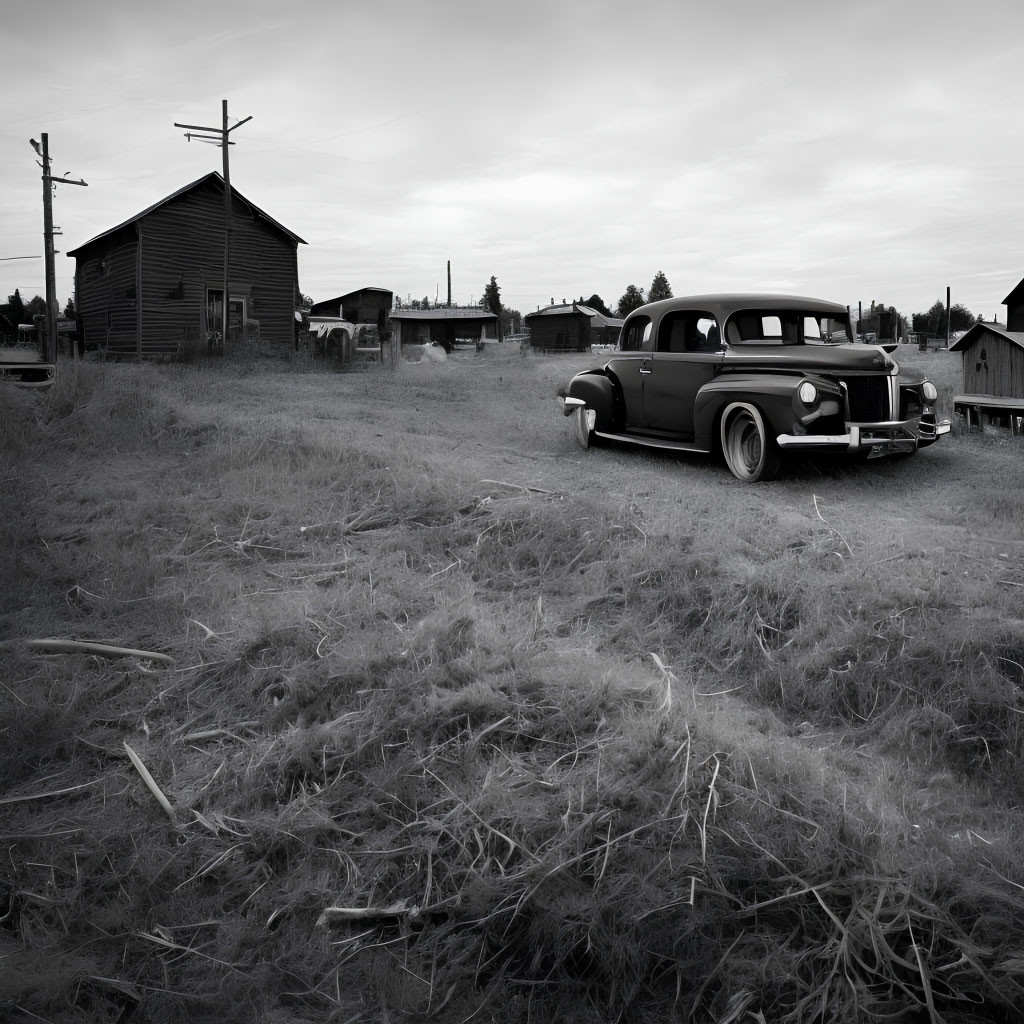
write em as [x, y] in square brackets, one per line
[106, 282]
[569, 332]
[183, 255]
[1000, 373]
[367, 307]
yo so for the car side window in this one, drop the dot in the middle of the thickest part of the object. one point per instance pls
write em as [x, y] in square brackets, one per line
[636, 335]
[689, 330]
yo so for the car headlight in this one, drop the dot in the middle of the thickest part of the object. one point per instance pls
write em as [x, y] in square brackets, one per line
[929, 392]
[807, 393]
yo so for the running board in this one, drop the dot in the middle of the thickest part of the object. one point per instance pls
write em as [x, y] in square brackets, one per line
[653, 442]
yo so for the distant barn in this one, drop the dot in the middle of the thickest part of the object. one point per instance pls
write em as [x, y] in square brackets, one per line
[365, 306]
[571, 327]
[154, 284]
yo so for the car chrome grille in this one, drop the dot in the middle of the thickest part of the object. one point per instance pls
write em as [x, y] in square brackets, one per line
[868, 398]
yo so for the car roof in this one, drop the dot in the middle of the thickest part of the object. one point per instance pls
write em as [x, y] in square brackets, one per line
[723, 304]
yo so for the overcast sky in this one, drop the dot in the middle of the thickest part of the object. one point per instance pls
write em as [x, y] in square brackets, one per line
[855, 151]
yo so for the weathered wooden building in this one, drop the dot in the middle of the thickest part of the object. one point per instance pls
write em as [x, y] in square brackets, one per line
[571, 327]
[154, 284]
[365, 306]
[993, 373]
[445, 325]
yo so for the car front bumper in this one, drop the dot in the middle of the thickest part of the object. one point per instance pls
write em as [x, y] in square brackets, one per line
[872, 439]
[26, 374]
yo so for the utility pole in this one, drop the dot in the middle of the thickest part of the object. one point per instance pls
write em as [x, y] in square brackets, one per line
[49, 181]
[219, 136]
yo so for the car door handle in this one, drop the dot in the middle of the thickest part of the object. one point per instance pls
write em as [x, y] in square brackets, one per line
[645, 370]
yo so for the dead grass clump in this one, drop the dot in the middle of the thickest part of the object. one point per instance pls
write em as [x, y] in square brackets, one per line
[937, 684]
[115, 406]
[528, 542]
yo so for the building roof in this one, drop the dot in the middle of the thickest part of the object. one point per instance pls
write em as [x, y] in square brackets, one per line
[217, 179]
[1016, 337]
[349, 295]
[442, 313]
[1014, 293]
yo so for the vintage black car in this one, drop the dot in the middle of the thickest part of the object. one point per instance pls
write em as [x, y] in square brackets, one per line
[753, 377]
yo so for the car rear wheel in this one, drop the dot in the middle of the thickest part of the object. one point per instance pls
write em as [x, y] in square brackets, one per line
[749, 452]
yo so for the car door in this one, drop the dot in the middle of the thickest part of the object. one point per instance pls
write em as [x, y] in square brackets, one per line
[631, 366]
[687, 356]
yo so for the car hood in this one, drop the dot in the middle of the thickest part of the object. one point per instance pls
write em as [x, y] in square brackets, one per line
[835, 359]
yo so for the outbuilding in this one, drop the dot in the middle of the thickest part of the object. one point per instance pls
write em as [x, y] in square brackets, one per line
[993, 374]
[365, 306]
[153, 285]
[571, 327]
[445, 325]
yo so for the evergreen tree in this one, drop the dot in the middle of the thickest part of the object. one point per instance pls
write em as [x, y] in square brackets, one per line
[69, 309]
[632, 299]
[492, 297]
[660, 288]
[15, 308]
[596, 302]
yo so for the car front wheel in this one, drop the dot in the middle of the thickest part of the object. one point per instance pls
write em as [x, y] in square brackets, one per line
[749, 452]
[583, 426]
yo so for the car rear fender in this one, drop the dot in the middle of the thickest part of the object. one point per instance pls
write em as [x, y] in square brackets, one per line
[598, 391]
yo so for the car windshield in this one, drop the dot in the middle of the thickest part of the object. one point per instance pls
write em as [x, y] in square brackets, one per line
[785, 327]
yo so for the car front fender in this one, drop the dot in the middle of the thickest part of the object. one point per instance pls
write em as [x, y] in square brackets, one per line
[596, 391]
[774, 394]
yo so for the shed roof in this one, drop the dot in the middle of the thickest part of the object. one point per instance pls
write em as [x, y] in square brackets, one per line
[443, 313]
[1015, 292]
[349, 295]
[213, 176]
[1016, 337]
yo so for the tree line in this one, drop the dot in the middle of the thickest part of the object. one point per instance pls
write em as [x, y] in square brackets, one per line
[932, 322]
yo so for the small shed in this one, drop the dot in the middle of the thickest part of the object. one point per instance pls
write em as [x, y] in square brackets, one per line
[366, 306]
[445, 325]
[571, 327]
[155, 282]
[993, 374]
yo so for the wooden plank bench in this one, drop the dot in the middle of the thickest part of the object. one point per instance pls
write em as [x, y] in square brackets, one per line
[973, 406]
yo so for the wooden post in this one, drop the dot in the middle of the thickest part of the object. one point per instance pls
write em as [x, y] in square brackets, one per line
[396, 343]
[50, 341]
[227, 226]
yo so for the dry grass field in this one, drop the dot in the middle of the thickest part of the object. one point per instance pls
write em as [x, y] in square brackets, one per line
[427, 715]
